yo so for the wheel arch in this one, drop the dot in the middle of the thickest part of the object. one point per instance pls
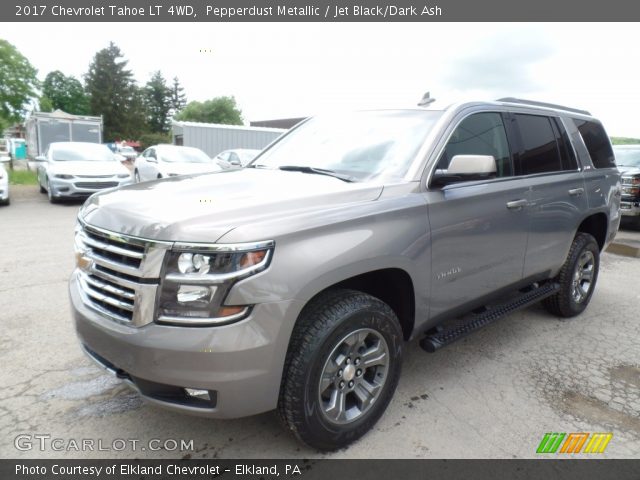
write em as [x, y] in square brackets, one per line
[393, 286]
[595, 225]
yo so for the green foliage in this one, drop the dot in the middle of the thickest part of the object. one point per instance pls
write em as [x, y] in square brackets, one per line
[625, 141]
[114, 95]
[18, 84]
[157, 97]
[218, 110]
[45, 104]
[22, 177]
[65, 93]
[149, 139]
[178, 97]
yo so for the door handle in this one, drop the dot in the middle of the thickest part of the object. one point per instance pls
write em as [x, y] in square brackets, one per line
[576, 192]
[517, 204]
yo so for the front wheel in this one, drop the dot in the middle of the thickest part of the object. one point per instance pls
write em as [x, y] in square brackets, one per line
[577, 278]
[52, 197]
[342, 368]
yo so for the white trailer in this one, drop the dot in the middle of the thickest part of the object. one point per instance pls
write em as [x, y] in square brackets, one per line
[213, 138]
[43, 128]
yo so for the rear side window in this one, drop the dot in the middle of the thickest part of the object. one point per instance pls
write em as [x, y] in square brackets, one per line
[597, 142]
[540, 152]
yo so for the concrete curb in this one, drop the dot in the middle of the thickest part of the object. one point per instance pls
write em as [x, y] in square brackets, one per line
[625, 249]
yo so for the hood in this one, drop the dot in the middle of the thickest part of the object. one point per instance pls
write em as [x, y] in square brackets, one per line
[184, 168]
[88, 168]
[629, 170]
[202, 208]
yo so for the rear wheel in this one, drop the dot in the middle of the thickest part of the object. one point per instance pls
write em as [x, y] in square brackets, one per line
[577, 278]
[342, 368]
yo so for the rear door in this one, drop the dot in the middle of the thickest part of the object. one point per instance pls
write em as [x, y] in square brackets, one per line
[558, 199]
[479, 228]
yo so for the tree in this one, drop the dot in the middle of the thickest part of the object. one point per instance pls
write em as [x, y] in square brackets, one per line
[158, 103]
[114, 94]
[149, 139]
[217, 110]
[18, 84]
[45, 104]
[178, 97]
[65, 93]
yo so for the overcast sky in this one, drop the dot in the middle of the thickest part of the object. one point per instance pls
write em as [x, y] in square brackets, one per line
[278, 70]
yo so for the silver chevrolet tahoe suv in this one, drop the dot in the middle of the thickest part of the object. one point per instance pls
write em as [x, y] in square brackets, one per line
[293, 284]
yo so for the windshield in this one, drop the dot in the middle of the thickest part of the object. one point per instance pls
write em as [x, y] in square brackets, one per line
[627, 157]
[183, 155]
[85, 152]
[362, 145]
[247, 155]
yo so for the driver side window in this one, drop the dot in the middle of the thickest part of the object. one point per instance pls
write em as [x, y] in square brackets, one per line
[480, 134]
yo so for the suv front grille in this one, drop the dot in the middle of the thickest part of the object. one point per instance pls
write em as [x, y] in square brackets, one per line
[120, 275]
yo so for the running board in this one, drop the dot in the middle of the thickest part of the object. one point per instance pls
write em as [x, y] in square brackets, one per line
[474, 322]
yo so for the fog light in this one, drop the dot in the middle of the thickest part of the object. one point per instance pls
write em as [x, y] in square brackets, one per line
[196, 393]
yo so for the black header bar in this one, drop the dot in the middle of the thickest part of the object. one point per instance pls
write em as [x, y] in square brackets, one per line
[318, 10]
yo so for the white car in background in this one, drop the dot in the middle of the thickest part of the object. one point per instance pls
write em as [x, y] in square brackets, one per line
[4, 185]
[163, 161]
[237, 157]
[79, 169]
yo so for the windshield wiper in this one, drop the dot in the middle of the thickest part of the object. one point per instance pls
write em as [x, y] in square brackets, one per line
[318, 171]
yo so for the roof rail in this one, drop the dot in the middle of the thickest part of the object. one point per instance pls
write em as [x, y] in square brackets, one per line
[542, 104]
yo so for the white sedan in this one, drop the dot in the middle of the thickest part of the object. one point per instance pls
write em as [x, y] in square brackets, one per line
[4, 186]
[78, 169]
[163, 161]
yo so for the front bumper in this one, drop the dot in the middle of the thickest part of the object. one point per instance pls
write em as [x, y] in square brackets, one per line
[83, 187]
[240, 364]
[630, 207]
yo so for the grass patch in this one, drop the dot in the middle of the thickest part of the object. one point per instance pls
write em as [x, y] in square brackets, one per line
[22, 177]
[625, 141]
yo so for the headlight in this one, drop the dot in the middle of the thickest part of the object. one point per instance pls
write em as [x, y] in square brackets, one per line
[64, 176]
[197, 281]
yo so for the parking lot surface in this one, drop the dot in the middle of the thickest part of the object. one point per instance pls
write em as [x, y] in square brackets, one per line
[493, 394]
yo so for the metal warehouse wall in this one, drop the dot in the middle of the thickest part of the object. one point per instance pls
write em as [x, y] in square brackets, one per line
[213, 139]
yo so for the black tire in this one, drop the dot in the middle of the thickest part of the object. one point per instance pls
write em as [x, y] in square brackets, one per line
[577, 278]
[52, 197]
[6, 202]
[42, 190]
[323, 329]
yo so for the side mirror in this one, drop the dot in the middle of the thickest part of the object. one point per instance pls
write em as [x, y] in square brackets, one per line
[40, 158]
[152, 159]
[465, 168]
[120, 158]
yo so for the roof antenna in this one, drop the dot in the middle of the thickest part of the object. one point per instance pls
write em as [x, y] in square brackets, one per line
[426, 100]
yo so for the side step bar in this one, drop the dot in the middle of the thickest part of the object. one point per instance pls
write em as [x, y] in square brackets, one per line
[474, 322]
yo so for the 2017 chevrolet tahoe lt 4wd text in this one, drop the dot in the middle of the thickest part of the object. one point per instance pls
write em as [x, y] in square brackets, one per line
[294, 284]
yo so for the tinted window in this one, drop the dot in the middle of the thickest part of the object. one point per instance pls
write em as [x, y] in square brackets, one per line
[479, 134]
[539, 147]
[597, 142]
[567, 154]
